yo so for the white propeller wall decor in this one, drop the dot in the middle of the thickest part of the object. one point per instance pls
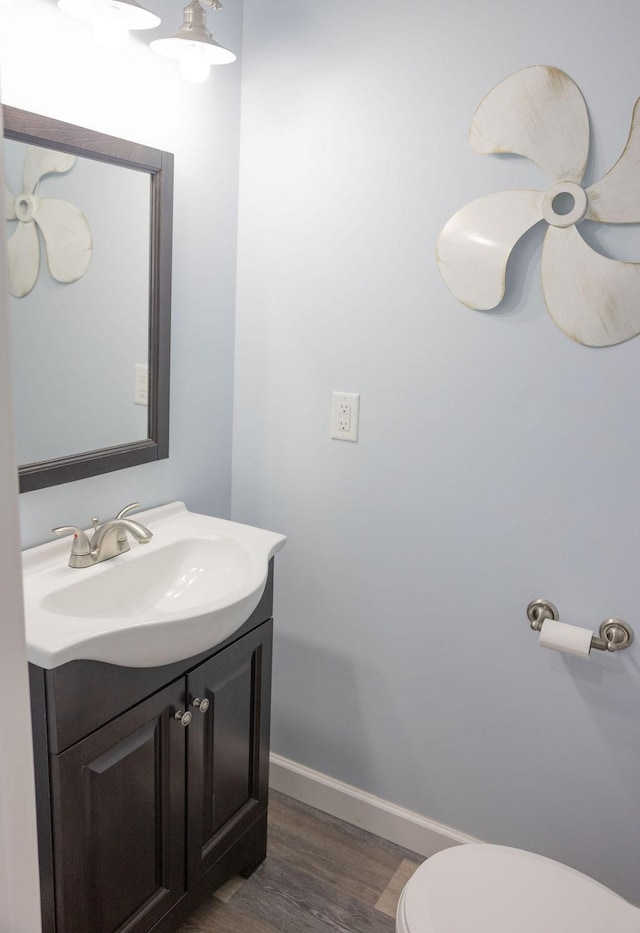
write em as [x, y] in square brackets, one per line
[64, 227]
[539, 113]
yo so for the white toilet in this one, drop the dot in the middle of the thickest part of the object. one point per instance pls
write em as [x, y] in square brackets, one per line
[480, 888]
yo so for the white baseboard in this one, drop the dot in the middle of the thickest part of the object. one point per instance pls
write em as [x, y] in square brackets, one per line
[410, 830]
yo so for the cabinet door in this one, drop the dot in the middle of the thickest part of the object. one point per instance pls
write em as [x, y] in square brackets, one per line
[228, 749]
[118, 820]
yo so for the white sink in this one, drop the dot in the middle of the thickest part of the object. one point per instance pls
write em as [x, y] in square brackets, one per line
[196, 582]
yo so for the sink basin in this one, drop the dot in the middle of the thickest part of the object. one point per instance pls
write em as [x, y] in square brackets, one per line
[196, 582]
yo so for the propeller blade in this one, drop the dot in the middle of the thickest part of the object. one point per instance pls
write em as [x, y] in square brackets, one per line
[9, 205]
[538, 113]
[595, 300]
[67, 238]
[615, 199]
[39, 162]
[475, 245]
[23, 254]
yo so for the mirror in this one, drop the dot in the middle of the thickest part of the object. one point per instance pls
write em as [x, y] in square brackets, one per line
[89, 228]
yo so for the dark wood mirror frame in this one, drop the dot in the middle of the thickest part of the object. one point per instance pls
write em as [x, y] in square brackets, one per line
[43, 131]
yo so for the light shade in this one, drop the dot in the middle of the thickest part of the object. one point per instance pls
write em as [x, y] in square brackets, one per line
[194, 37]
[132, 15]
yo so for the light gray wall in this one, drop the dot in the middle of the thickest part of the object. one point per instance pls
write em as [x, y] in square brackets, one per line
[51, 66]
[497, 461]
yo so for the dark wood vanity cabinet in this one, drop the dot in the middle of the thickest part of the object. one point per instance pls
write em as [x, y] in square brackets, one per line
[228, 757]
[118, 821]
[140, 817]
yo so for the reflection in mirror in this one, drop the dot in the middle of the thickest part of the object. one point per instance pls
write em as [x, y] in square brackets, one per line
[89, 238]
[66, 335]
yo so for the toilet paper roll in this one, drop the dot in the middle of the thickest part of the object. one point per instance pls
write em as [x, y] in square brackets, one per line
[568, 638]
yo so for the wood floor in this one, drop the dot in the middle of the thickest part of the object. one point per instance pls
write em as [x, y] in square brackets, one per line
[320, 876]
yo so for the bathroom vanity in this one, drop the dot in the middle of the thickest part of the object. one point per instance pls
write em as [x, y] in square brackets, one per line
[150, 680]
[140, 816]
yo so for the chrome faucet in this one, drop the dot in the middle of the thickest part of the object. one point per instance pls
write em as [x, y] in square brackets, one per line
[108, 540]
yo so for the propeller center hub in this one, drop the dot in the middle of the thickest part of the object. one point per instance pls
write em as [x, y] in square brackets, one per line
[25, 206]
[564, 204]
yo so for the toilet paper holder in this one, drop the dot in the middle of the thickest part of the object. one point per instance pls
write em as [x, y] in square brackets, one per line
[614, 633]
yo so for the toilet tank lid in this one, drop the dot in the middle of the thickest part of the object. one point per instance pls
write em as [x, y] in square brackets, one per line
[480, 888]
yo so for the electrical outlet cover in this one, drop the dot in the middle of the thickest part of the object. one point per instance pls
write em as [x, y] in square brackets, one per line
[345, 414]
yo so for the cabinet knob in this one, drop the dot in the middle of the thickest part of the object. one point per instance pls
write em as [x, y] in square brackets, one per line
[184, 718]
[202, 705]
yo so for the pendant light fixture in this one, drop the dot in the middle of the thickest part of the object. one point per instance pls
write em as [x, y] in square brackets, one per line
[193, 46]
[111, 19]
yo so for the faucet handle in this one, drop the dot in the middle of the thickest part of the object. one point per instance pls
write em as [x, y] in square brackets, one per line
[122, 534]
[128, 508]
[80, 546]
